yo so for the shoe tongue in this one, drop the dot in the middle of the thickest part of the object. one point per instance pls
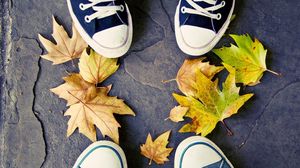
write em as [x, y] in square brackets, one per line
[203, 4]
[105, 3]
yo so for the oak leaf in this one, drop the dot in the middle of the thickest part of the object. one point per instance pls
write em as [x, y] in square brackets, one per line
[95, 68]
[177, 113]
[79, 89]
[97, 112]
[248, 58]
[186, 76]
[212, 104]
[157, 150]
[66, 48]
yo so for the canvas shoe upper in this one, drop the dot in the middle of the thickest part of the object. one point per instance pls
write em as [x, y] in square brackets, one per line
[200, 152]
[199, 24]
[106, 25]
[104, 154]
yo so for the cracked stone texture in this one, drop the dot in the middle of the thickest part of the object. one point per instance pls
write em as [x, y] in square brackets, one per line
[32, 126]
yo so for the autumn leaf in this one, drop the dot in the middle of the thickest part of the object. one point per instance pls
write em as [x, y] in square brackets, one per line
[95, 68]
[157, 150]
[97, 112]
[79, 89]
[177, 113]
[186, 76]
[66, 48]
[212, 105]
[248, 58]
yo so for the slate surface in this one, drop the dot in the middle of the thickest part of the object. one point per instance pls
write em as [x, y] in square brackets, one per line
[32, 126]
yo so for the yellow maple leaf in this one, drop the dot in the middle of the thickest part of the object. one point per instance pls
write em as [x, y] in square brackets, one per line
[248, 57]
[212, 104]
[157, 150]
[79, 88]
[95, 68]
[66, 48]
[97, 112]
[186, 76]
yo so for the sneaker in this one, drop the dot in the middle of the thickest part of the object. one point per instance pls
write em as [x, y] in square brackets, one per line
[104, 154]
[106, 25]
[200, 24]
[197, 152]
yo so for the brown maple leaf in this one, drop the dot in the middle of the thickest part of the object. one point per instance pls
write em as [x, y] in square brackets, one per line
[186, 76]
[66, 48]
[157, 150]
[97, 112]
[79, 89]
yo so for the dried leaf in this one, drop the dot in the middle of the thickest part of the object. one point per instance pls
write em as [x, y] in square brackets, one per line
[97, 112]
[95, 68]
[157, 150]
[186, 76]
[212, 105]
[248, 58]
[75, 85]
[177, 113]
[66, 48]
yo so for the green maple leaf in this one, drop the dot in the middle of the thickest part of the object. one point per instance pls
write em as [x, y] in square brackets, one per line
[248, 58]
[212, 105]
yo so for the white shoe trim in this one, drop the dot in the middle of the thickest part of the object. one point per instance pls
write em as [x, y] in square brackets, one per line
[108, 144]
[201, 50]
[106, 52]
[184, 145]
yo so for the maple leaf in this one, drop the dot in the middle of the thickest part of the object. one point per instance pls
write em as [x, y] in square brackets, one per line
[177, 113]
[248, 58]
[186, 76]
[212, 105]
[66, 48]
[95, 68]
[79, 89]
[157, 150]
[97, 112]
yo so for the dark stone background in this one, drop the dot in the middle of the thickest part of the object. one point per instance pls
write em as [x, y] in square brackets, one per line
[32, 129]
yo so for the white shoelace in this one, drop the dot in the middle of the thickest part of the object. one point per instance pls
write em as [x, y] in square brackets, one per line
[198, 10]
[100, 11]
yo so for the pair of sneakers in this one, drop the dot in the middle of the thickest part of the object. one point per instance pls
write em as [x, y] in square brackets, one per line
[106, 25]
[193, 152]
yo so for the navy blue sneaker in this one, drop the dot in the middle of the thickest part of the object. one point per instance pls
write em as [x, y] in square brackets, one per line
[200, 24]
[106, 25]
[200, 152]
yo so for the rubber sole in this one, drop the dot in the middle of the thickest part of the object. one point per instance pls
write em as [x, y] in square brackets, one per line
[191, 140]
[104, 51]
[201, 50]
[108, 144]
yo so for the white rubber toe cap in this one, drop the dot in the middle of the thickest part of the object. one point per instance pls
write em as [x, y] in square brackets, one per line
[104, 154]
[197, 37]
[114, 37]
[197, 151]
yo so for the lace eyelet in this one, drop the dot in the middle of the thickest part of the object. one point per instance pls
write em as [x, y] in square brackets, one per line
[223, 3]
[219, 16]
[122, 8]
[183, 9]
[87, 19]
[81, 6]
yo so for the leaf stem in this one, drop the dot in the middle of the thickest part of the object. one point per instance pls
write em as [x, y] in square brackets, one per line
[229, 132]
[168, 81]
[273, 72]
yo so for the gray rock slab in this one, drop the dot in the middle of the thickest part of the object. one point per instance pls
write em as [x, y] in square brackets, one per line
[32, 125]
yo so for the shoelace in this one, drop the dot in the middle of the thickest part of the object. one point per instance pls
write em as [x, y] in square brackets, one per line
[100, 11]
[198, 10]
